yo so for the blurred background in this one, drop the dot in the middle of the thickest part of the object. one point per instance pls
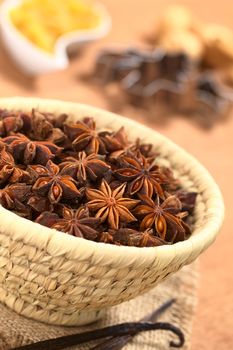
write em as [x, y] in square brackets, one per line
[167, 64]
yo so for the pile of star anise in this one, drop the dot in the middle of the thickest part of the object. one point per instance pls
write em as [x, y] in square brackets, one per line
[89, 183]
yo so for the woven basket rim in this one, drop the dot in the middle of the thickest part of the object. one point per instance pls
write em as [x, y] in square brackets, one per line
[40, 236]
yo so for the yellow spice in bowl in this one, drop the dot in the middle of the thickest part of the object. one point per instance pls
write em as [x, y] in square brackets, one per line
[44, 21]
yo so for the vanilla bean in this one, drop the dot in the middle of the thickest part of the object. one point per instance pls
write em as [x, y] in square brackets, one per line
[117, 343]
[129, 328]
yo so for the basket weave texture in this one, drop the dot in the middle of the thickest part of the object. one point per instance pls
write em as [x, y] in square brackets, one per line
[60, 279]
[182, 286]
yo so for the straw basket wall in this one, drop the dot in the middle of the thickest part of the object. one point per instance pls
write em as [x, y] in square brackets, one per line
[60, 279]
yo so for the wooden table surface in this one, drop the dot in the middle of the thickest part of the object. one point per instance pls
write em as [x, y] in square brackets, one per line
[131, 20]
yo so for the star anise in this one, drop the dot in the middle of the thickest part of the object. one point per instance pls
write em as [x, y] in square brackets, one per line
[130, 237]
[9, 194]
[26, 151]
[13, 198]
[58, 137]
[6, 165]
[9, 171]
[85, 137]
[40, 204]
[88, 183]
[162, 216]
[55, 186]
[147, 239]
[5, 173]
[105, 237]
[77, 223]
[13, 174]
[13, 122]
[116, 143]
[146, 149]
[57, 121]
[141, 175]
[110, 204]
[172, 183]
[37, 170]
[2, 129]
[187, 199]
[47, 219]
[42, 129]
[84, 167]
[5, 157]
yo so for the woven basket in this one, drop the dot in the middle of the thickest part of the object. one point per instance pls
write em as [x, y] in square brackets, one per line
[60, 279]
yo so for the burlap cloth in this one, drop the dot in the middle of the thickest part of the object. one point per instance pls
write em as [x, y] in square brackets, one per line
[16, 330]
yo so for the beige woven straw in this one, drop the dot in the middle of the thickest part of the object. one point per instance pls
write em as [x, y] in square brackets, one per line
[56, 278]
[16, 330]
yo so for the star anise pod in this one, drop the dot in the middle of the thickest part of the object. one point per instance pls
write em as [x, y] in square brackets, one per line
[141, 175]
[13, 174]
[14, 122]
[58, 137]
[56, 186]
[9, 171]
[11, 124]
[110, 204]
[40, 204]
[5, 173]
[5, 157]
[84, 167]
[47, 219]
[13, 198]
[2, 129]
[146, 149]
[162, 215]
[41, 128]
[36, 170]
[57, 121]
[9, 194]
[26, 151]
[188, 200]
[7, 164]
[84, 136]
[77, 222]
[147, 239]
[105, 237]
[116, 143]
[172, 184]
[130, 237]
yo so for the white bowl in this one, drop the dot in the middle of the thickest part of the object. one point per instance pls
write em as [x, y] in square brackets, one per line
[33, 60]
